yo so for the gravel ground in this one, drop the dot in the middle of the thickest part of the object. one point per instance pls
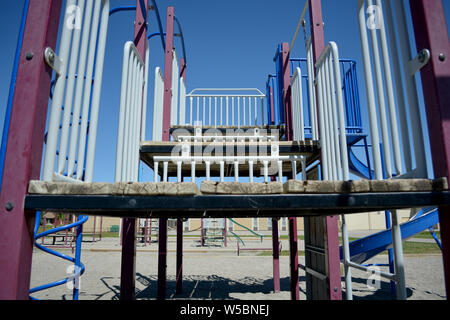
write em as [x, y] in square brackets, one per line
[215, 273]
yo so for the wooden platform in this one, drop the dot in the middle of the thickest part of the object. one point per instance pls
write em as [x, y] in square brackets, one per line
[186, 200]
[150, 149]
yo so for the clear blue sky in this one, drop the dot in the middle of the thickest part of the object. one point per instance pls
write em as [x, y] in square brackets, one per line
[229, 44]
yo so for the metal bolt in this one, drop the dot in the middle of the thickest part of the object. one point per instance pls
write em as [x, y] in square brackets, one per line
[51, 57]
[442, 57]
[422, 56]
[29, 56]
[9, 206]
[335, 289]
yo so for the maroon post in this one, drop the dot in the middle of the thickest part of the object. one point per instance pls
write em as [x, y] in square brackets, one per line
[276, 255]
[24, 148]
[179, 274]
[331, 223]
[162, 242]
[128, 267]
[293, 238]
[430, 28]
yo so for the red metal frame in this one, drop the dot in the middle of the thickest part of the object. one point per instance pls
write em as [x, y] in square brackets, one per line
[162, 242]
[430, 29]
[331, 223]
[276, 256]
[128, 267]
[293, 233]
[24, 148]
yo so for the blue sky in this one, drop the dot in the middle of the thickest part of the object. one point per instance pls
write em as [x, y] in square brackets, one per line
[228, 43]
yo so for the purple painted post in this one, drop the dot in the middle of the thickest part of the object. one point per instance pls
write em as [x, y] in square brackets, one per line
[179, 274]
[293, 237]
[128, 271]
[276, 255]
[331, 223]
[430, 28]
[24, 148]
[162, 242]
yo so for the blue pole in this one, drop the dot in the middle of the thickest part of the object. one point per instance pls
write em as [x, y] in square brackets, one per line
[12, 88]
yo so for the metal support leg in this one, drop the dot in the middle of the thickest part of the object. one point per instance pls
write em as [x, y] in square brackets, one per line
[430, 29]
[23, 156]
[179, 271]
[276, 256]
[162, 259]
[293, 258]
[128, 268]
[398, 257]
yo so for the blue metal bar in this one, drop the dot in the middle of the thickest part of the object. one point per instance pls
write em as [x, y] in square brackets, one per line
[122, 8]
[12, 88]
[158, 17]
[182, 38]
[151, 35]
[144, 13]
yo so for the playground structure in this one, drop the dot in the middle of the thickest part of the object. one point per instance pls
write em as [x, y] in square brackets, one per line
[290, 154]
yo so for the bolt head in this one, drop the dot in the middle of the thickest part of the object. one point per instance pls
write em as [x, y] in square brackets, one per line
[9, 206]
[442, 57]
[29, 56]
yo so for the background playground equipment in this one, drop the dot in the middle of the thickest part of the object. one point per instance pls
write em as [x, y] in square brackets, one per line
[311, 137]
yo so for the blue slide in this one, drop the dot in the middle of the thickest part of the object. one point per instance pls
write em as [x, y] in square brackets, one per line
[366, 248]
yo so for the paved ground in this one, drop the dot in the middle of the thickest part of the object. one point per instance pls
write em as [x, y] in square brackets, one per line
[215, 273]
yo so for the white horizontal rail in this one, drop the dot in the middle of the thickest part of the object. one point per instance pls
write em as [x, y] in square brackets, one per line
[230, 109]
[272, 165]
[130, 116]
[77, 93]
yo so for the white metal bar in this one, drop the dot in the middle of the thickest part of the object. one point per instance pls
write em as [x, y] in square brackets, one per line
[390, 94]
[381, 100]
[74, 135]
[411, 90]
[182, 120]
[403, 118]
[58, 96]
[155, 171]
[179, 177]
[93, 124]
[369, 90]
[87, 91]
[165, 172]
[146, 84]
[71, 75]
[322, 128]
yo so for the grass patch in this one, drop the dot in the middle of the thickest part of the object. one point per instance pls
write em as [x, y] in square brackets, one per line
[427, 235]
[410, 247]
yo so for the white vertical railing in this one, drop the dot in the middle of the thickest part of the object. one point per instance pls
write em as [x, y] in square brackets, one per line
[130, 116]
[332, 115]
[297, 106]
[158, 105]
[81, 55]
[219, 108]
[182, 120]
[175, 87]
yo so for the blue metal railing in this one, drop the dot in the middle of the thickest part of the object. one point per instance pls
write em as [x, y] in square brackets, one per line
[349, 87]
